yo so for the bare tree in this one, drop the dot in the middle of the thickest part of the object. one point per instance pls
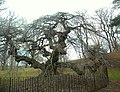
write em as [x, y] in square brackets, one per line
[108, 33]
[9, 32]
[44, 39]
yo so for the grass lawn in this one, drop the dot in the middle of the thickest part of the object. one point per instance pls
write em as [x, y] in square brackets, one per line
[21, 72]
[114, 74]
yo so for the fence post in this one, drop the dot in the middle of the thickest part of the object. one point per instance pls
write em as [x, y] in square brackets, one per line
[10, 85]
[0, 83]
[69, 82]
[38, 84]
[94, 82]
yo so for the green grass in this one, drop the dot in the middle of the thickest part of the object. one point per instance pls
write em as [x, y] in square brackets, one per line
[114, 74]
[22, 72]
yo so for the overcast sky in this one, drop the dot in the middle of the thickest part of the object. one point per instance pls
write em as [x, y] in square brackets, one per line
[32, 9]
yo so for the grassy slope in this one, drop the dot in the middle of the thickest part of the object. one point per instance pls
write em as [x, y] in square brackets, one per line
[114, 74]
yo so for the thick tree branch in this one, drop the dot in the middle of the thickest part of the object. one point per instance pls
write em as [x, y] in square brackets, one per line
[31, 61]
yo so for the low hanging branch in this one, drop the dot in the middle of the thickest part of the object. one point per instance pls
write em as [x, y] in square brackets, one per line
[31, 61]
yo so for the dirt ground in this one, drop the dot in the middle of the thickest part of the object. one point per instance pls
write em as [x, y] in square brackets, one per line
[114, 86]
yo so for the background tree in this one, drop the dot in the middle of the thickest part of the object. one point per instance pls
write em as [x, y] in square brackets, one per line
[10, 31]
[106, 31]
[116, 20]
[116, 3]
[2, 7]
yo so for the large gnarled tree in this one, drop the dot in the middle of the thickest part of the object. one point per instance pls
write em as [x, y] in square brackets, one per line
[49, 37]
